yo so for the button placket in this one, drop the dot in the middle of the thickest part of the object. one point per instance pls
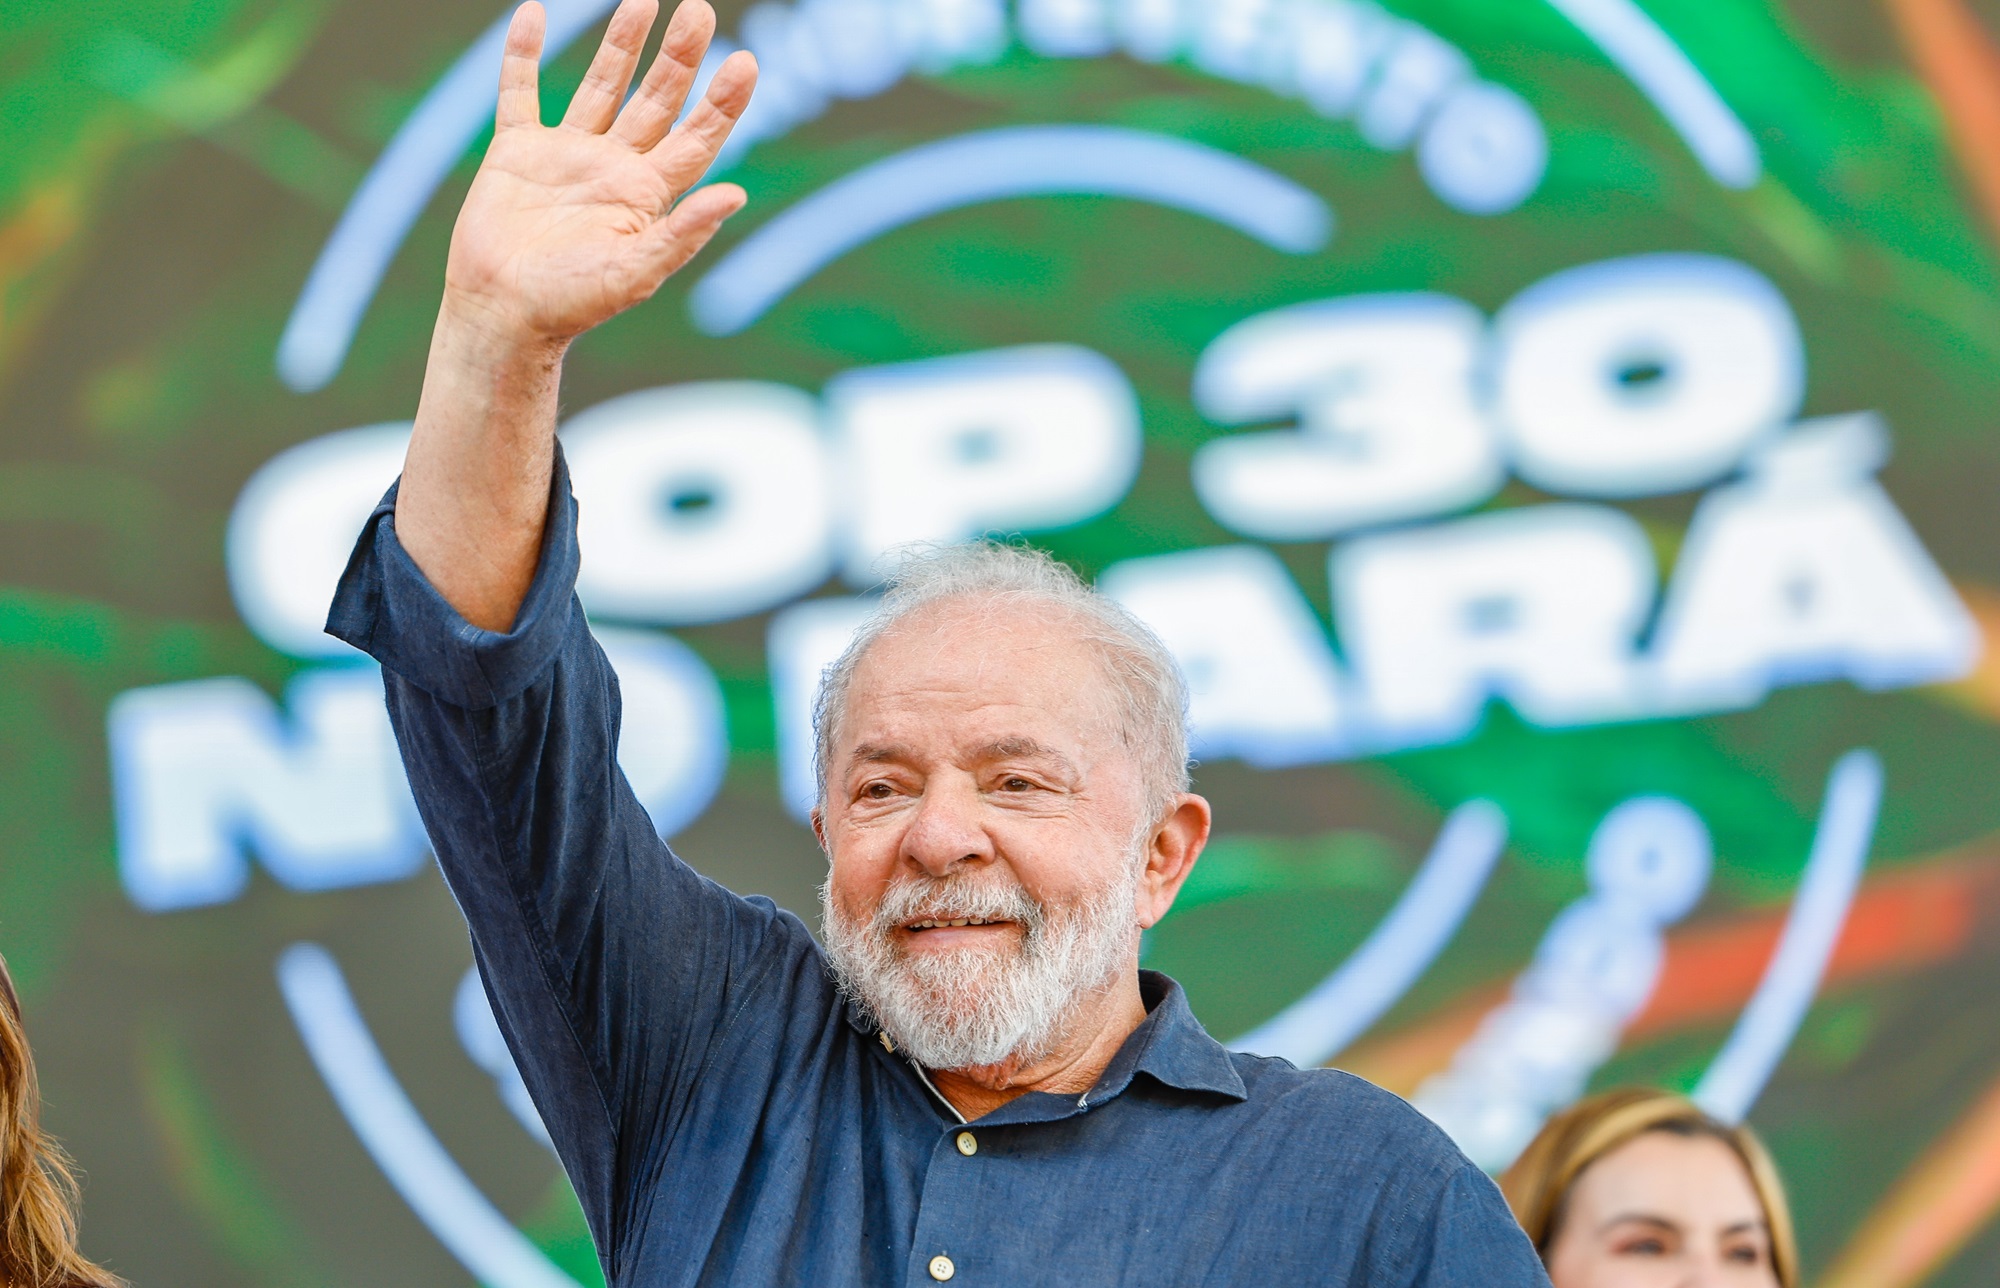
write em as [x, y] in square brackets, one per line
[957, 1196]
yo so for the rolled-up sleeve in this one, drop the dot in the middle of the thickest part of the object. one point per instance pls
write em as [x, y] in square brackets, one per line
[387, 608]
[614, 969]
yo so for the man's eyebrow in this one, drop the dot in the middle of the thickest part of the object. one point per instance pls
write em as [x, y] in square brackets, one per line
[1014, 748]
[1023, 748]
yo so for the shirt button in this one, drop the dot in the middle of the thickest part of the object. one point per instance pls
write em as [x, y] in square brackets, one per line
[942, 1269]
[968, 1144]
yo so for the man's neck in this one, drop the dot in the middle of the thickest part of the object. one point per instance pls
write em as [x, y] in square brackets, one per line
[1107, 1018]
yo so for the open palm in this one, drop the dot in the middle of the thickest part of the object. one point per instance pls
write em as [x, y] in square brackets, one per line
[566, 226]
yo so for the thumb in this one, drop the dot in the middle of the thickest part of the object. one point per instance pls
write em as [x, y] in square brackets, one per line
[688, 227]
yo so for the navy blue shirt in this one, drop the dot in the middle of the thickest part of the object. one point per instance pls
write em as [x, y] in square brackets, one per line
[726, 1117]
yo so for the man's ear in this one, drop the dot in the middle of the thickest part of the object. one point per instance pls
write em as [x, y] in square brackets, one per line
[818, 818]
[1176, 844]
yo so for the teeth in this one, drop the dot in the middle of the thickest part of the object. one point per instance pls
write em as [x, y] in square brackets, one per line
[961, 921]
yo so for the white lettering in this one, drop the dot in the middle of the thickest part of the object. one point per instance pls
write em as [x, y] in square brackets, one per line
[791, 72]
[700, 502]
[202, 769]
[294, 526]
[1150, 30]
[1644, 375]
[1332, 49]
[1807, 572]
[1484, 150]
[1538, 605]
[946, 449]
[1343, 57]
[1382, 386]
[1410, 80]
[1262, 681]
[1231, 38]
[864, 46]
[1065, 28]
[951, 33]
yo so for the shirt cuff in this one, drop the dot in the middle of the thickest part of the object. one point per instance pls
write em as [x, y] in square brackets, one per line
[388, 609]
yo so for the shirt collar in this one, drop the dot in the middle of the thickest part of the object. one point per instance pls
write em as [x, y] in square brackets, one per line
[1170, 1046]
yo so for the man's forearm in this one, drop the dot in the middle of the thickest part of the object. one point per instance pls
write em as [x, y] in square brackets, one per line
[475, 486]
[563, 227]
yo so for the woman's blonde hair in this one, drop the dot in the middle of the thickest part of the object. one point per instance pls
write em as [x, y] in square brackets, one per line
[38, 1189]
[1537, 1185]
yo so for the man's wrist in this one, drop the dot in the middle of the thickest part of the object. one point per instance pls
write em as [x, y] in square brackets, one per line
[474, 334]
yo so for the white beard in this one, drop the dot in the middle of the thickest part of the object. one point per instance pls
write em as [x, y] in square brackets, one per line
[980, 1006]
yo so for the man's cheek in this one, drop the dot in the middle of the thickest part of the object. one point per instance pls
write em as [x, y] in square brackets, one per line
[854, 895]
[1059, 863]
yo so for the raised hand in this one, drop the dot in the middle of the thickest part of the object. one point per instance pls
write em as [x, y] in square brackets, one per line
[566, 226]
[562, 229]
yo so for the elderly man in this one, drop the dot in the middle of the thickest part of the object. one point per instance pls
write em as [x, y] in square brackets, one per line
[974, 1081]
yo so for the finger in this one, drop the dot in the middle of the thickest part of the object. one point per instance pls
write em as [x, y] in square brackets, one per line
[688, 227]
[691, 148]
[520, 69]
[610, 75]
[652, 111]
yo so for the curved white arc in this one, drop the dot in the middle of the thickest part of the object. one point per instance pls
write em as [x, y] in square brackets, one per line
[991, 165]
[1341, 1007]
[1765, 1028]
[396, 190]
[1669, 79]
[394, 1133]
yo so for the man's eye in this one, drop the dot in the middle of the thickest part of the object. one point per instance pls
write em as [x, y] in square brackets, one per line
[1017, 784]
[877, 791]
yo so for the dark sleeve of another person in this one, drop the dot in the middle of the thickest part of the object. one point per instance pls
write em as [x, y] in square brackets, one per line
[616, 971]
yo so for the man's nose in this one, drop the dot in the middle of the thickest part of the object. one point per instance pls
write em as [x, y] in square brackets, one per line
[947, 830]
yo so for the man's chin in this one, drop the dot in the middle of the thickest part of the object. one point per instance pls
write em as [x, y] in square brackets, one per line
[995, 1074]
[961, 983]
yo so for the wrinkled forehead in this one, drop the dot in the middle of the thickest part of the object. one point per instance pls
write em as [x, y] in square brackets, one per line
[965, 654]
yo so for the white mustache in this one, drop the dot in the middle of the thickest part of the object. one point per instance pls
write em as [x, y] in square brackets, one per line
[951, 898]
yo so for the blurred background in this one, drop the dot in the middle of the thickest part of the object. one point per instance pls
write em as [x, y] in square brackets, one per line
[1557, 437]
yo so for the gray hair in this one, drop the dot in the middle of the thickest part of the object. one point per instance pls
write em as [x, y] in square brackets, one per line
[1146, 683]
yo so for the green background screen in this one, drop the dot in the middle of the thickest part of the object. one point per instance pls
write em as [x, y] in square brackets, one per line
[1558, 439]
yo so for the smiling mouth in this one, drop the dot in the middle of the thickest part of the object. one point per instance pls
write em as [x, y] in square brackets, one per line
[942, 924]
